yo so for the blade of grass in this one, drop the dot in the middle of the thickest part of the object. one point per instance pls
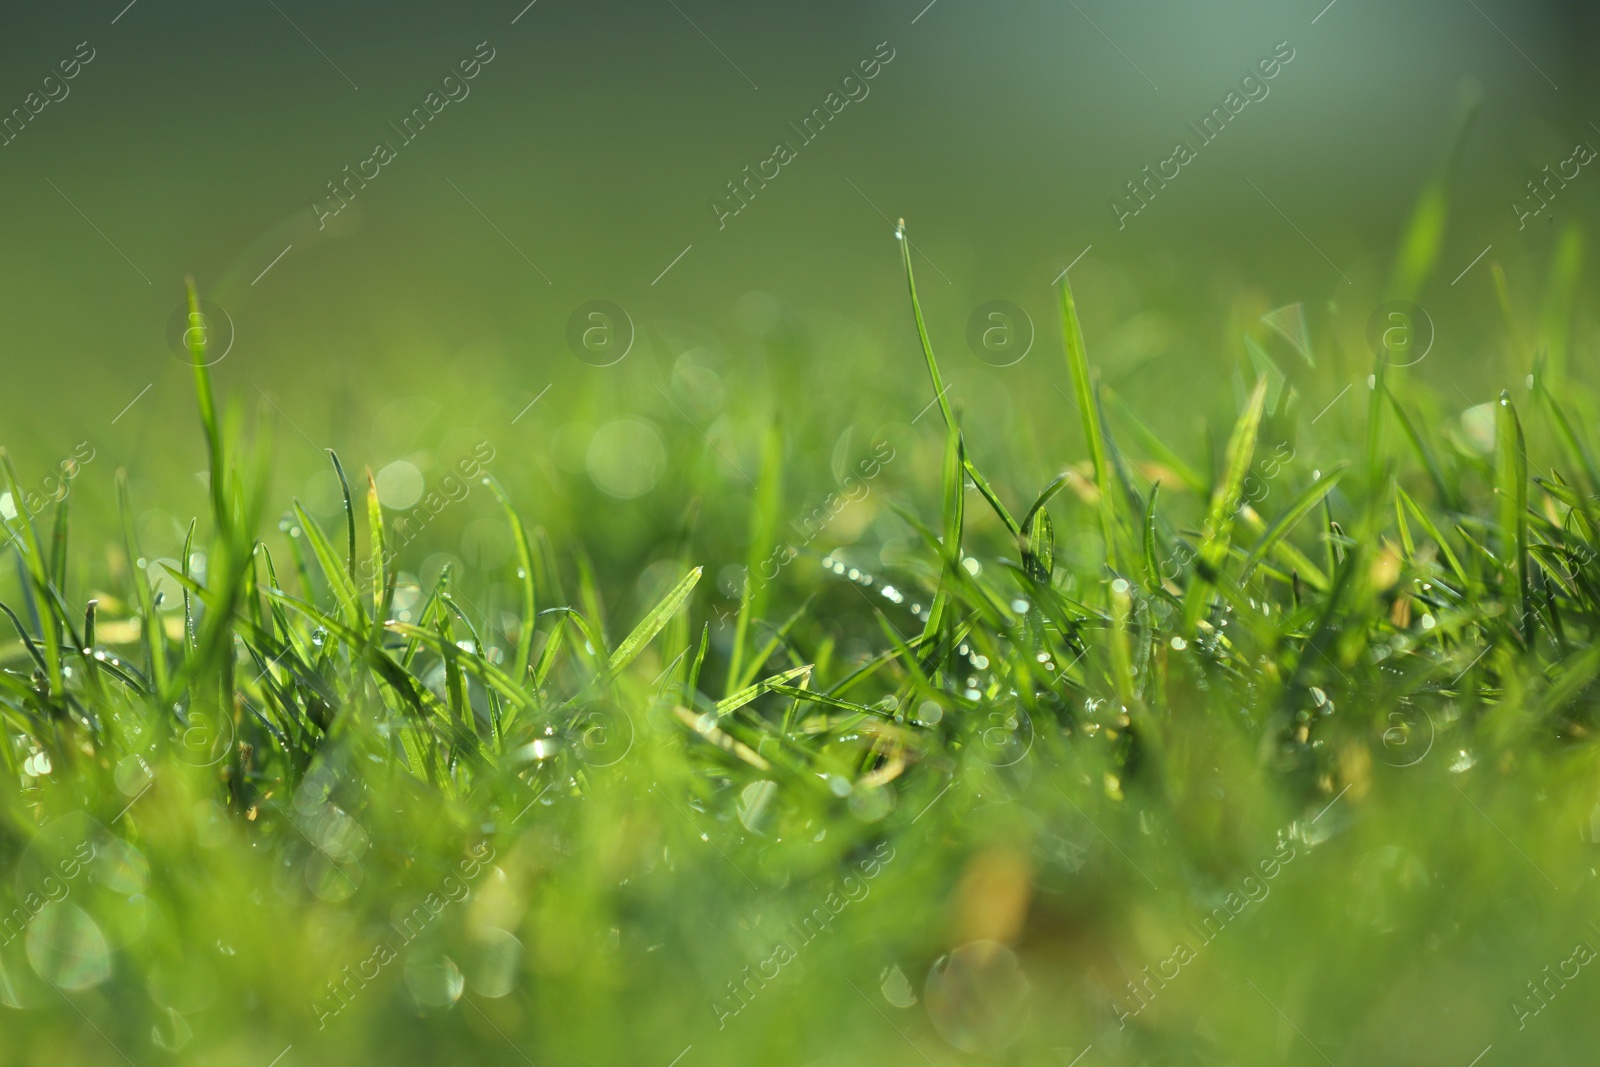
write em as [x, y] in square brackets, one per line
[1089, 415]
[1225, 498]
[1511, 485]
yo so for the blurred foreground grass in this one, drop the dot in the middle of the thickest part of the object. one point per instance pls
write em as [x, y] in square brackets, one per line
[1276, 754]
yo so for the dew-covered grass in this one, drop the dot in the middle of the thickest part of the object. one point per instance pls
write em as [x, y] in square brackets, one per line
[1276, 753]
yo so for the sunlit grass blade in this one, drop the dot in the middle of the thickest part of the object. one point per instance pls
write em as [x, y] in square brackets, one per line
[1447, 495]
[763, 524]
[333, 572]
[150, 633]
[1037, 538]
[382, 588]
[25, 541]
[525, 578]
[1225, 499]
[1576, 444]
[1302, 505]
[1432, 531]
[652, 623]
[1089, 416]
[1511, 485]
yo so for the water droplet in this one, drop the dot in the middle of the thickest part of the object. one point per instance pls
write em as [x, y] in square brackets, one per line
[434, 980]
[977, 997]
[896, 988]
[132, 776]
[1020, 606]
[332, 881]
[754, 801]
[1179, 644]
[120, 867]
[339, 836]
[493, 964]
[67, 948]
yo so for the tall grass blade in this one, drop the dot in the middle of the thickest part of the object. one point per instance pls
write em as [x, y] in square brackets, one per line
[1511, 485]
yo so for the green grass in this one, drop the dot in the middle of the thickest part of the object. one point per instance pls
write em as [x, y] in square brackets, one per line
[1294, 738]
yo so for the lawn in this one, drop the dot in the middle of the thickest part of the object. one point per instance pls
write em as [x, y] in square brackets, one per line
[1272, 750]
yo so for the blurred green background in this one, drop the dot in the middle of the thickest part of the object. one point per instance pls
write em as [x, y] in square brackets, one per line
[584, 163]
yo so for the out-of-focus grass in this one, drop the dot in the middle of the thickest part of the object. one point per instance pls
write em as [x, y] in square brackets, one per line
[1278, 753]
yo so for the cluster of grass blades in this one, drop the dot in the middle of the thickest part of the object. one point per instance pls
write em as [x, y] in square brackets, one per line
[269, 780]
